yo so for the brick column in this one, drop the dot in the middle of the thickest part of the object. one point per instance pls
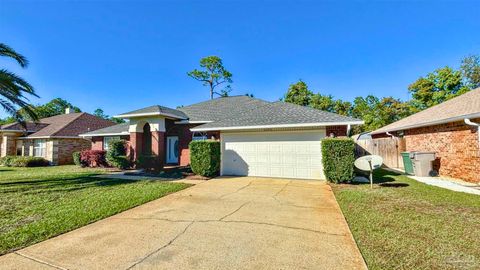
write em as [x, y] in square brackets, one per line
[158, 147]
[136, 144]
[8, 146]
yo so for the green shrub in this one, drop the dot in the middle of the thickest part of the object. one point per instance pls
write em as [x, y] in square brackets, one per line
[338, 158]
[148, 162]
[116, 148]
[205, 157]
[116, 154]
[26, 161]
[76, 159]
[121, 162]
[7, 160]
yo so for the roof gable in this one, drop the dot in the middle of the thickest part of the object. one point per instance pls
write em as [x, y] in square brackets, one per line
[154, 110]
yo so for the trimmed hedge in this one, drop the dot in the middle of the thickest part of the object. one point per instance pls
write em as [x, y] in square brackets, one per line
[148, 162]
[23, 161]
[338, 155]
[76, 159]
[93, 158]
[116, 154]
[205, 157]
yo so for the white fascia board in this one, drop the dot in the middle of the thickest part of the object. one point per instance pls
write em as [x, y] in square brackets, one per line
[192, 122]
[104, 134]
[324, 124]
[51, 137]
[431, 123]
[134, 115]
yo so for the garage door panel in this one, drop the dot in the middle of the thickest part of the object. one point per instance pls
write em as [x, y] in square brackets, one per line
[273, 154]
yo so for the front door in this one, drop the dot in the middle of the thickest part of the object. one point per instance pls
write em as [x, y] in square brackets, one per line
[172, 150]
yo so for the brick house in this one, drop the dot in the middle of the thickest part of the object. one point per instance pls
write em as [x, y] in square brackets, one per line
[449, 129]
[54, 138]
[252, 133]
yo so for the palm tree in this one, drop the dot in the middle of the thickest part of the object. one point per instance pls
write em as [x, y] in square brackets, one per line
[13, 88]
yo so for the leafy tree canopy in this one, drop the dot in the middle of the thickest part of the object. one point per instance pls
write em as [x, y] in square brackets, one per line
[213, 74]
[434, 88]
[437, 87]
[100, 113]
[54, 107]
[470, 68]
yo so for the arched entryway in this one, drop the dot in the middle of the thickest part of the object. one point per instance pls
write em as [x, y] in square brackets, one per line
[146, 140]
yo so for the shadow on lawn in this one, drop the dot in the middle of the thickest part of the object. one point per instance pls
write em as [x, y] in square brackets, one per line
[382, 177]
[59, 185]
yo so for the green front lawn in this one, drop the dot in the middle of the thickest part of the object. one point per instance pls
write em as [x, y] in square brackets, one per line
[404, 224]
[39, 203]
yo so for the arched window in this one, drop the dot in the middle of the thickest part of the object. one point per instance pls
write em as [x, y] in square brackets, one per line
[147, 140]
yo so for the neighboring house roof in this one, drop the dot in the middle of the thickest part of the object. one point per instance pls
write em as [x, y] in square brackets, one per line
[64, 125]
[154, 110]
[116, 130]
[455, 109]
[277, 115]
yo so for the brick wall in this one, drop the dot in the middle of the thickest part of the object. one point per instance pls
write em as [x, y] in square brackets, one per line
[456, 145]
[97, 142]
[184, 138]
[338, 131]
[66, 147]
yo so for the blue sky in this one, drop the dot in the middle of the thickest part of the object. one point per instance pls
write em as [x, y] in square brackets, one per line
[120, 55]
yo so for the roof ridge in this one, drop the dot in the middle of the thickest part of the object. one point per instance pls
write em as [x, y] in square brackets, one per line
[315, 109]
[217, 98]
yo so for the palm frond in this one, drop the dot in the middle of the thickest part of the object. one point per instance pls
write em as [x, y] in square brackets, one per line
[7, 51]
[15, 83]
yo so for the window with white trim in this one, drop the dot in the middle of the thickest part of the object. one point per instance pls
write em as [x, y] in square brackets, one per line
[199, 138]
[40, 148]
[106, 140]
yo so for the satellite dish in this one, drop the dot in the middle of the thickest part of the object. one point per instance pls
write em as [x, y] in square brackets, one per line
[369, 163]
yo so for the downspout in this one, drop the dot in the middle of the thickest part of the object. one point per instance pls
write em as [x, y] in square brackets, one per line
[470, 123]
[390, 134]
[348, 130]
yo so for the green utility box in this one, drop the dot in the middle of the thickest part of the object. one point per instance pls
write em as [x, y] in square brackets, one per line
[407, 163]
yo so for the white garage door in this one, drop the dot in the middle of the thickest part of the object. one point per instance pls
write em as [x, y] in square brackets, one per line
[273, 154]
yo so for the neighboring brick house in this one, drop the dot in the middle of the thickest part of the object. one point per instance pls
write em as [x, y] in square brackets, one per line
[54, 138]
[258, 138]
[449, 129]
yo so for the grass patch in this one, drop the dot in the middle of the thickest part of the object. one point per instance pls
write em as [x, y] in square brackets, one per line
[39, 203]
[404, 224]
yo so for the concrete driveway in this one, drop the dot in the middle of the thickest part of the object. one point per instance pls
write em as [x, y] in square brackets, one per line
[224, 223]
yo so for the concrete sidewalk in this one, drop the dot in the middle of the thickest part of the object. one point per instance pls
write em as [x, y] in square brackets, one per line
[224, 223]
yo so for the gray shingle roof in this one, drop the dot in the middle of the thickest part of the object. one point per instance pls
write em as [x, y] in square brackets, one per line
[275, 113]
[157, 109]
[221, 108]
[466, 105]
[116, 129]
[241, 111]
